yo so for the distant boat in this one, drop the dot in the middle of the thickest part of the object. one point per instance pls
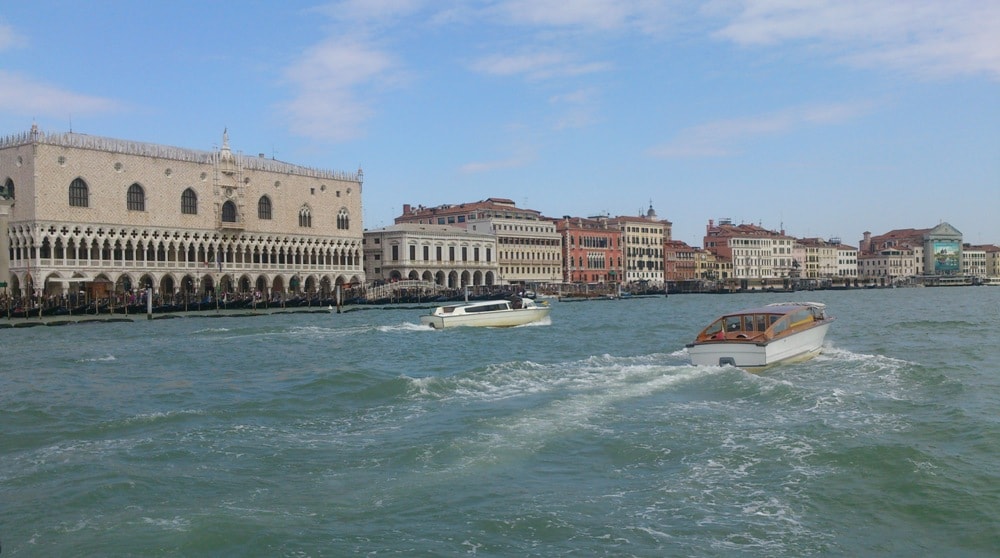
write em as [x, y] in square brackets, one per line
[757, 338]
[487, 313]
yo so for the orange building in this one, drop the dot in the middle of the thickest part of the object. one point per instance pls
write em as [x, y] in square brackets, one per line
[592, 250]
[679, 263]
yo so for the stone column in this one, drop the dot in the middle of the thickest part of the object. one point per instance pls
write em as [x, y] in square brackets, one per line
[5, 205]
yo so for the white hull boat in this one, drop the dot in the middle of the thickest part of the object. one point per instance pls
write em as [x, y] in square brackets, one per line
[487, 313]
[757, 338]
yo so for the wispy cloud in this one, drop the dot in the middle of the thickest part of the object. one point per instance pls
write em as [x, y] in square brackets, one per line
[576, 109]
[536, 65]
[724, 137]
[9, 38]
[331, 79]
[929, 38]
[516, 161]
[600, 15]
[22, 95]
[370, 12]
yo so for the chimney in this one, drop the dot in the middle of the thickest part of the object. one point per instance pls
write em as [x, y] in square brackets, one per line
[406, 209]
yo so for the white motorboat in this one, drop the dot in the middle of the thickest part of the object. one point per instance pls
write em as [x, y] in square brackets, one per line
[487, 313]
[757, 338]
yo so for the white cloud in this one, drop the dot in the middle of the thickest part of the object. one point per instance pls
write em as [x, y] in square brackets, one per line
[931, 38]
[330, 78]
[21, 95]
[723, 137]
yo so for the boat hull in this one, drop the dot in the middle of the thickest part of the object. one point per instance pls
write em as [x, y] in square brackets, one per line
[754, 357]
[499, 318]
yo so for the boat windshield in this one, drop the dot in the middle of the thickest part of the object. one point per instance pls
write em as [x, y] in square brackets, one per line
[744, 325]
[487, 307]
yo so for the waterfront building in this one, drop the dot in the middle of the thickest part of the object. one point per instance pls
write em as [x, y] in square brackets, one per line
[529, 249]
[887, 267]
[974, 262]
[936, 252]
[442, 254]
[642, 248]
[592, 250]
[679, 261]
[819, 263]
[759, 257]
[992, 260]
[904, 239]
[711, 268]
[103, 215]
[847, 262]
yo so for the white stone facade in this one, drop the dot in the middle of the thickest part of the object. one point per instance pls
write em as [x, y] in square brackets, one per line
[642, 248]
[113, 215]
[448, 256]
[529, 250]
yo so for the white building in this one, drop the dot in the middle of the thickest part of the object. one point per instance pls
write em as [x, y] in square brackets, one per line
[529, 250]
[448, 256]
[759, 256]
[974, 262]
[847, 262]
[642, 243]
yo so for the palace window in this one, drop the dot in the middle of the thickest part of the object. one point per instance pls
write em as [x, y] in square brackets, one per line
[8, 189]
[78, 193]
[229, 212]
[343, 219]
[264, 208]
[136, 198]
[305, 218]
[189, 202]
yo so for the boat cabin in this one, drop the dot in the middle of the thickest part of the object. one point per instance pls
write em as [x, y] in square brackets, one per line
[762, 324]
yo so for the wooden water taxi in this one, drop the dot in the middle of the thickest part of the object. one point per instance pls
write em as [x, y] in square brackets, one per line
[757, 338]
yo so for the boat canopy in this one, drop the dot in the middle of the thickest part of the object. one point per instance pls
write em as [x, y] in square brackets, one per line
[763, 323]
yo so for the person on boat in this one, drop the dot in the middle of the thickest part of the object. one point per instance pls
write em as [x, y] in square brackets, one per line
[515, 302]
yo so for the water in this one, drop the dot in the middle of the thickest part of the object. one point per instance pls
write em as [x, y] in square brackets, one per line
[365, 434]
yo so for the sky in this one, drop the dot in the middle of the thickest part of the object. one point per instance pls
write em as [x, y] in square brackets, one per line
[823, 118]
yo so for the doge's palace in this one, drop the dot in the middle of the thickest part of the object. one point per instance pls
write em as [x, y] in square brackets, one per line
[101, 215]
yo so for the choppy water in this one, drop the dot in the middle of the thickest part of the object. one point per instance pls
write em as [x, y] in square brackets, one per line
[365, 434]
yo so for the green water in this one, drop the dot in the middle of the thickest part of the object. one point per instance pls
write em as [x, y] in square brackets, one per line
[590, 435]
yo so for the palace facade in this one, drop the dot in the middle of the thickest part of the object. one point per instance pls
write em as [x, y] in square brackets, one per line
[104, 215]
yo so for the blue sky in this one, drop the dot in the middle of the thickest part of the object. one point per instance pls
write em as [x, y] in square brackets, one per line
[825, 117]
